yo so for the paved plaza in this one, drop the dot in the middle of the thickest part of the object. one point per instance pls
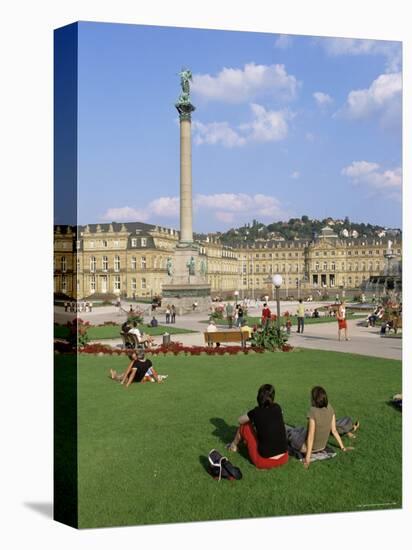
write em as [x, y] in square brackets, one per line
[322, 336]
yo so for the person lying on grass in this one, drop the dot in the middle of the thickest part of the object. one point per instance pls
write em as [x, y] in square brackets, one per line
[263, 431]
[140, 370]
[321, 422]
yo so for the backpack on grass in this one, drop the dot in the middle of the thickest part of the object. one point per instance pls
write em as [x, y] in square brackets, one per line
[221, 468]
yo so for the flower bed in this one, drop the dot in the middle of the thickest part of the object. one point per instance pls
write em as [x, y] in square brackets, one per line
[174, 348]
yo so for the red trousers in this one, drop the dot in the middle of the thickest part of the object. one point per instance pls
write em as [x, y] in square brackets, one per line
[249, 437]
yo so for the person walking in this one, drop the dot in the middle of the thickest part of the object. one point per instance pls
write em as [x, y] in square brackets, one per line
[301, 316]
[239, 316]
[229, 314]
[167, 314]
[265, 315]
[173, 313]
[341, 317]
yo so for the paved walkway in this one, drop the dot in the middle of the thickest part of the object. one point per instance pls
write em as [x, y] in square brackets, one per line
[364, 341]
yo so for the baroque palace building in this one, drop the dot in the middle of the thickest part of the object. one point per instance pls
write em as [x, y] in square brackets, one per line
[130, 260]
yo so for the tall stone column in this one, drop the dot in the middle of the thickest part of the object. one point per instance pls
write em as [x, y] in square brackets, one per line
[187, 283]
[186, 206]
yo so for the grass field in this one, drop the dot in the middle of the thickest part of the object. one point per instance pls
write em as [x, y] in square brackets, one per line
[142, 450]
[113, 331]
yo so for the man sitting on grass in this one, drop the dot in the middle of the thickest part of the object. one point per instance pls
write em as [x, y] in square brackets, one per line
[139, 370]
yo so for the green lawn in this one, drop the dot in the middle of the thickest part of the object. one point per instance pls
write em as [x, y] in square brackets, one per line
[112, 331]
[142, 450]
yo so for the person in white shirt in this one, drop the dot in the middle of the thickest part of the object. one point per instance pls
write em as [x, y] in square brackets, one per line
[142, 339]
[211, 327]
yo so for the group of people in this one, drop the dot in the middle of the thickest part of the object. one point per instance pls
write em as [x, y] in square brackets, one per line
[76, 307]
[268, 439]
[139, 370]
[170, 314]
[234, 315]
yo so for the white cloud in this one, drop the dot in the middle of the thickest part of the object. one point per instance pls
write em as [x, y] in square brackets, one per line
[226, 207]
[265, 125]
[370, 174]
[295, 175]
[391, 51]
[322, 99]
[383, 97]
[216, 133]
[240, 85]
[125, 213]
[240, 207]
[283, 42]
[225, 217]
[167, 207]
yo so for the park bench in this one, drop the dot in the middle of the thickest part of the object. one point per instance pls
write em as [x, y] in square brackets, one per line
[224, 336]
[130, 341]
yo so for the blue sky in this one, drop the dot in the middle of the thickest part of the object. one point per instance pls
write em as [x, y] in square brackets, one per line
[284, 126]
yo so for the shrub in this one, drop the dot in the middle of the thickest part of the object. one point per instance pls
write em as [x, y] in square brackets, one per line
[270, 338]
[78, 336]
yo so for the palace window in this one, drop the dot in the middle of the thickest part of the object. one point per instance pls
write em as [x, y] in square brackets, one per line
[349, 267]
[93, 264]
[144, 284]
[63, 263]
[134, 242]
[377, 251]
[105, 263]
[92, 283]
[325, 266]
[78, 264]
[257, 269]
[377, 266]
[143, 241]
[134, 285]
[117, 263]
[117, 282]
[333, 266]
[370, 266]
[78, 285]
[143, 262]
[64, 283]
[134, 263]
[370, 251]
[317, 266]
[104, 244]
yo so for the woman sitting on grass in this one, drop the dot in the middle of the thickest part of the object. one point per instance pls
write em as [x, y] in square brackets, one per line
[139, 370]
[263, 431]
[321, 422]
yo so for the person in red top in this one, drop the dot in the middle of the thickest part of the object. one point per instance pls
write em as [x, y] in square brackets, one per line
[265, 315]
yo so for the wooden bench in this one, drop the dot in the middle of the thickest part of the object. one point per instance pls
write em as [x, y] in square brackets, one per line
[130, 341]
[223, 336]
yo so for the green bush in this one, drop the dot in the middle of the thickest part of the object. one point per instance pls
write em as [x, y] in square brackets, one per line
[270, 338]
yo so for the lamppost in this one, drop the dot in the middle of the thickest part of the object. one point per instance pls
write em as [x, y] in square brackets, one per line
[277, 282]
[236, 293]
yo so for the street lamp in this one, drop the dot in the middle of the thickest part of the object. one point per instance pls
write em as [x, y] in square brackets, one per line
[277, 282]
